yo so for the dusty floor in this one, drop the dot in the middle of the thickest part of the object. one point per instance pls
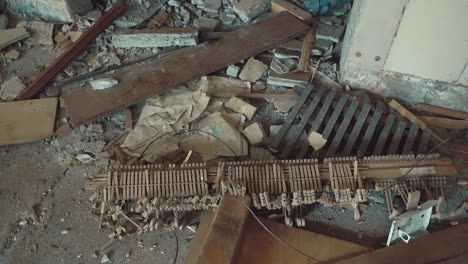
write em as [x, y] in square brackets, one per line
[40, 178]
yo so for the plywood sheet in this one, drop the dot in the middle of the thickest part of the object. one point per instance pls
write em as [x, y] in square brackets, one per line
[139, 82]
[27, 121]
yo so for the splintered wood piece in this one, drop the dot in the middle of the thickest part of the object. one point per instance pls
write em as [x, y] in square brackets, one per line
[444, 122]
[384, 135]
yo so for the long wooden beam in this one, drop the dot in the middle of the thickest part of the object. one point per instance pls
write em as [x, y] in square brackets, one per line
[140, 82]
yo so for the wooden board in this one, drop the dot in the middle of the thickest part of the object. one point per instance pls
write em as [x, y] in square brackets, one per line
[431, 248]
[258, 246]
[444, 122]
[12, 35]
[442, 111]
[27, 121]
[223, 236]
[140, 82]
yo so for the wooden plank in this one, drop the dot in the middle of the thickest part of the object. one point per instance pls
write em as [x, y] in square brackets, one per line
[27, 121]
[224, 234]
[258, 246]
[413, 132]
[298, 130]
[305, 54]
[442, 111]
[431, 248]
[342, 129]
[369, 132]
[353, 137]
[317, 122]
[444, 122]
[278, 6]
[422, 147]
[140, 82]
[12, 35]
[397, 136]
[276, 141]
[411, 117]
[384, 135]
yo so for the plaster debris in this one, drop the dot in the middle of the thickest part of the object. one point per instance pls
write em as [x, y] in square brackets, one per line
[316, 140]
[11, 88]
[41, 32]
[247, 10]
[206, 24]
[4, 21]
[212, 5]
[240, 106]
[94, 15]
[12, 35]
[84, 158]
[227, 18]
[254, 133]
[164, 37]
[333, 33]
[259, 86]
[103, 84]
[282, 66]
[12, 54]
[233, 70]
[105, 259]
[253, 70]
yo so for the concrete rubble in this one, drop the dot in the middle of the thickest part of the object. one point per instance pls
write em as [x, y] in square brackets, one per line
[11, 88]
[103, 84]
[248, 10]
[253, 70]
[164, 37]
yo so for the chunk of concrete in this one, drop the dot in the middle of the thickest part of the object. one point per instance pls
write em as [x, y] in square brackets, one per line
[11, 88]
[41, 32]
[240, 106]
[138, 12]
[54, 10]
[103, 84]
[333, 33]
[247, 10]
[254, 133]
[282, 66]
[233, 70]
[223, 87]
[206, 24]
[163, 37]
[212, 5]
[253, 70]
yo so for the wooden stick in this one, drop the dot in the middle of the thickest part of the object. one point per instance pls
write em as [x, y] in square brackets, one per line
[442, 111]
[305, 54]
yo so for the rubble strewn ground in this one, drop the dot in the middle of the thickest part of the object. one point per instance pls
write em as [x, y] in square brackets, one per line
[48, 215]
